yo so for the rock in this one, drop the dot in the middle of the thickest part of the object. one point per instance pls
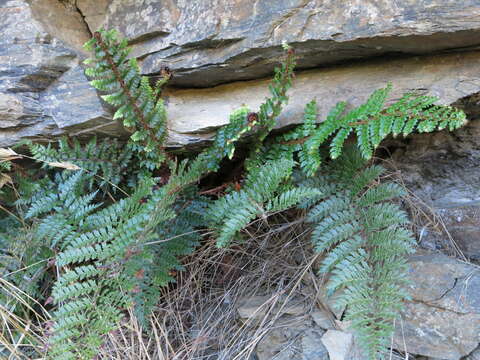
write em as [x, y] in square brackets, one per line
[61, 22]
[442, 320]
[94, 12]
[312, 347]
[292, 338]
[323, 319]
[475, 355]
[208, 43]
[75, 107]
[443, 169]
[450, 77]
[339, 344]
[43, 91]
[255, 308]
[232, 41]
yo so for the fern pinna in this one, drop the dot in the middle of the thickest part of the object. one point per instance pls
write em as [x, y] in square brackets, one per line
[364, 235]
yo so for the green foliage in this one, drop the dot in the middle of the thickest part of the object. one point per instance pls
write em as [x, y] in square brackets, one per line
[364, 236]
[137, 103]
[108, 161]
[371, 123]
[262, 193]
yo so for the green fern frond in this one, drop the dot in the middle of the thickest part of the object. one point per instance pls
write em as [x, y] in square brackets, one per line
[365, 238]
[262, 193]
[137, 103]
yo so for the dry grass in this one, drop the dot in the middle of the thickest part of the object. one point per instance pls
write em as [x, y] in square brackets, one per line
[197, 318]
[20, 337]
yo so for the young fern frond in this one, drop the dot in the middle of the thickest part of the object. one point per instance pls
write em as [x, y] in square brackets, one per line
[365, 238]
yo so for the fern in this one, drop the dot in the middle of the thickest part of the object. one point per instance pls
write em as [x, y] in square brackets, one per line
[262, 193]
[137, 103]
[371, 122]
[107, 160]
[114, 252]
[365, 237]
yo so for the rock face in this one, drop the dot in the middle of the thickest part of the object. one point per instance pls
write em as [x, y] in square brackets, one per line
[450, 77]
[43, 91]
[443, 318]
[225, 41]
[208, 43]
[442, 169]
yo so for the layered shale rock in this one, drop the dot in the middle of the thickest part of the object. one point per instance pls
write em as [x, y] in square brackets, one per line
[43, 91]
[208, 43]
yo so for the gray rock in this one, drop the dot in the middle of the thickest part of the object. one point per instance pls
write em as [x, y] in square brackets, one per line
[43, 91]
[75, 107]
[255, 308]
[443, 169]
[475, 355]
[199, 111]
[312, 347]
[208, 43]
[292, 338]
[442, 320]
[339, 344]
[323, 319]
[94, 12]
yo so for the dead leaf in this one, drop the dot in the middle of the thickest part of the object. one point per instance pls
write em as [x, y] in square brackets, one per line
[7, 153]
[5, 179]
[64, 165]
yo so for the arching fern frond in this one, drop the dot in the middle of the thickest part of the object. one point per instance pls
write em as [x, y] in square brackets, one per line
[370, 122]
[262, 192]
[365, 238]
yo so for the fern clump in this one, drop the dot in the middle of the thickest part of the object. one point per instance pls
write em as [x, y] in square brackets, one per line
[365, 237]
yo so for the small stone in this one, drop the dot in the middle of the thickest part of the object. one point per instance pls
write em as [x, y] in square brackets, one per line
[312, 346]
[283, 341]
[338, 343]
[323, 319]
[255, 308]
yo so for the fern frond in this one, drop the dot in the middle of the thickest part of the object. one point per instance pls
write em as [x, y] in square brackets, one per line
[262, 193]
[365, 236]
[136, 101]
